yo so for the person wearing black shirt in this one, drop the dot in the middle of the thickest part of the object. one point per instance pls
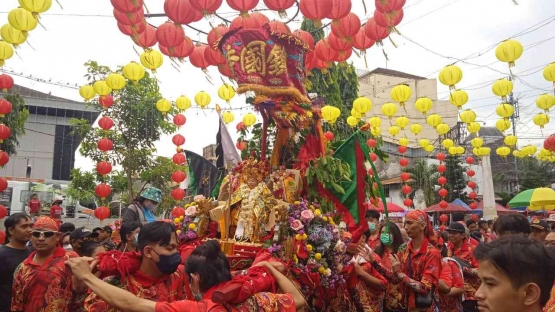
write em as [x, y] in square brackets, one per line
[18, 233]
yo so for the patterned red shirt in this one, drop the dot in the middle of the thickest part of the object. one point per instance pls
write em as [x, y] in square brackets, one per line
[366, 297]
[46, 287]
[374, 242]
[471, 281]
[452, 276]
[550, 306]
[394, 292]
[167, 289]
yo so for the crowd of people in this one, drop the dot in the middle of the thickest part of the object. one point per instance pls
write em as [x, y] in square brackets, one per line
[506, 265]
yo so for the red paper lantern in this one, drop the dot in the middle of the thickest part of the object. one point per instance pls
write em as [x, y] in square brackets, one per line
[305, 37]
[104, 167]
[106, 101]
[442, 180]
[373, 201]
[403, 162]
[179, 176]
[361, 41]
[443, 204]
[130, 18]
[3, 212]
[339, 9]
[549, 143]
[214, 57]
[475, 217]
[245, 22]
[441, 168]
[440, 156]
[106, 123]
[324, 51]
[442, 228]
[170, 34]
[374, 157]
[375, 31]
[5, 132]
[406, 189]
[344, 56]
[180, 51]
[240, 126]
[346, 27]
[178, 212]
[5, 107]
[3, 184]
[279, 27]
[179, 120]
[390, 19]
[179, 159]
[243, 6]
[241, 145]
[147, 38]
[127, 6]
[329, 136]
[443, 218]
[105, 144]
[224, 70]
[315, 10]
[389, 5]
[339, 44]
[443, 192]
[131, 30]
[178, 139]
[407, 202]
[370, 171]
[471, 184]
[372, 143]
[473, 205]
[279, 5]
[216, 34]
[178, 193]
[470, 173]
[2, 237]
[102, 213]
[103, 190]
[206, 7]
[6, 82]
[402, 149]
[4, 158]
[181, 11]
[470, 160]
[405, 176]
[472, 195]
[260, 18]
[198, 59]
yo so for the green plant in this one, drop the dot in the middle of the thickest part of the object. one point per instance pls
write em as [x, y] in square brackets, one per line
[425, 178]
[327, 171]
[15, 121]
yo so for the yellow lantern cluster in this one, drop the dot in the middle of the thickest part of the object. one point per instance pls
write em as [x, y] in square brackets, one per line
[545, 155]
[402, 122]
[415, 129]
[87, 92]
[401, 93]
[352, 121]
[394, 130]
[226, 92]
[541, 120]
[458, 98]
[473, 127]
[528, 150]
[447, 143]
[12, 35]
[423, 142]
[450, 75]
[477, 142]
[423, 105]
[227, 117]
[133, 72]
[456, 150]
[505, 110]
[502, 88]
[502, 125]
[182, 103]
[362, 105]
[545, 101]
[389, 109]
[509, 51]
[503, 151]
[468, 116]
[249, 119]
[115, 81]
[203, 99]
[163, 106]
[510, 140]
[356, 114]
[101, 88]
[442, 128]
[330, 114]
[481, 151]
[152, 59]
[434, 120]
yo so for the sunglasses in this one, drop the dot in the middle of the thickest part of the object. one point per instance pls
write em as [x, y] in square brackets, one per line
[46, 234]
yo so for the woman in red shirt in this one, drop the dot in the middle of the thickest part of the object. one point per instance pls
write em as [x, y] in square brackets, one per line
[56, 211]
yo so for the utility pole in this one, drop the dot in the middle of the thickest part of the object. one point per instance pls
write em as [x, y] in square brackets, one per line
[514, 119]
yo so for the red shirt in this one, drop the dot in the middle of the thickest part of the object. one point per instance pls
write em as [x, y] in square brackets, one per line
[473, 242]
[374, 242]
[466, 253]
[550, 306]
[167, 289]
[452, 276]
[367, 298]
[34, 205]
[46, 287]
[394, 293]
[56, 212]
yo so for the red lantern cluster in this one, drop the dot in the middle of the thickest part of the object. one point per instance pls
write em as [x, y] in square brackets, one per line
[6, 83]
[471, 184]
[179, 159]
[443, 218]
[549, 143]
[405, 177]
[442, 180]
[102, 213]
[178, 212]
[3, 212]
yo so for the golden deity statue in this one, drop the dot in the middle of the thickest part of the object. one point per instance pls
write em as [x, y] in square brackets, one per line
[283, 184]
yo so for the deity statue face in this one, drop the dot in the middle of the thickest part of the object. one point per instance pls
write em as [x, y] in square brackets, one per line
[252, 183]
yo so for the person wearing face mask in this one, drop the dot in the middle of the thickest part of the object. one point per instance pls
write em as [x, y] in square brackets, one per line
[373, 219]
[66, 243]
[160, 277]
[129, 236]
[142, 210]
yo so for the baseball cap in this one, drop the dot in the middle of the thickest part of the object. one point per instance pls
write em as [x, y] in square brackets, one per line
[540, 225]
[456, 227]
[106, 228]
[82, 232]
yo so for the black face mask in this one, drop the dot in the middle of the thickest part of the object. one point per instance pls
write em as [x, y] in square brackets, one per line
[168, 263]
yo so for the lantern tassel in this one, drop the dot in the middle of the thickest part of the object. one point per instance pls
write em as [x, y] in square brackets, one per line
[58, 2]
[146, 8]
[385, 54]
[364, 5]
[516, 3]
[282, 14]
[392, 42]
[395, 29]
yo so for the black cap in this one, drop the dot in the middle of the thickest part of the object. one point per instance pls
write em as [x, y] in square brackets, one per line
[106, 228]
[82, 232]
[540, 225]
[456, 227]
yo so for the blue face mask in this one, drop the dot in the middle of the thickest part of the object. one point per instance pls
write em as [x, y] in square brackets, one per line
[386, 239]
[372, 226]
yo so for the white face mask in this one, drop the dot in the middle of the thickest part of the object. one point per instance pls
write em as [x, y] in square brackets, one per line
[68, 247]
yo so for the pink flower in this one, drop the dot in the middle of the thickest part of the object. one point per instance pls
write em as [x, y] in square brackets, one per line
[199, 197]
[340, 247]
[307, 215]
[296, 225]
[191, 211]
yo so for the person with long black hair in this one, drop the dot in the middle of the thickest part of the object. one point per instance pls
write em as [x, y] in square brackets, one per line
[129, 235]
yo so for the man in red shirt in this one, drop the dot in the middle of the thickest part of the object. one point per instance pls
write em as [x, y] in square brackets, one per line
[34, 206]
[484, 229]
[56, 211]
[373, 221]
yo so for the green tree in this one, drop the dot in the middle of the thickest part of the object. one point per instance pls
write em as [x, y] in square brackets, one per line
[456, 178]
[533, 173]
[137, 125]
[15, 121]
[425, 178]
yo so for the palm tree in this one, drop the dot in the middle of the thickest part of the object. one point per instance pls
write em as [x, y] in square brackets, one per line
[425, 178]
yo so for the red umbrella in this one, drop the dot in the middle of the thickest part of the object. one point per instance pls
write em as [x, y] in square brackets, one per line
[500, 209]
[391, 207]
[450, 208]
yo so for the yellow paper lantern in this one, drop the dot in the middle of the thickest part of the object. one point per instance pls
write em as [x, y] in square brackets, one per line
[376, 131]
[404, 142]
[516, 153]
[545, 101]
[415, 128]
[394, 130]
[22, 19]
[503, 151]
[227, 117]
[36, 6]
[133, 72]
[423, 105]
[401, 93]
[362, 104]
[502, 88]
[505, 110]
[182, 103]
[402, 122]
[87, 92]
[423, 142]
[460, 150]
[485, 151]
[477, 142]
[6, 51]
[447, 143]
[450, 75]
[330, 113]
[203, 99]
[549, 72]
[163, 106]
[101, 88]
[473, 127]
[356, 114]
[152, 59]
[226, 92]
[115, 81]
[434, 120]
[509, 51]
[430, 148]
[541, 120]
[389, 109]
[12, 35]
[352, 121]
[375, 122]
[502, 125]
[458, 98]
[452, 150]
[249, 119]
[467, 116]
[442, 128]
[510, 140]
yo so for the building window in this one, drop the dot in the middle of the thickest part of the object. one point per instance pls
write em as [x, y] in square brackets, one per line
[386, 190]
[65, 145]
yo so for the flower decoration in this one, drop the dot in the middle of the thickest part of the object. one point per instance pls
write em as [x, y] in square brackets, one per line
[296, 225]
[199, 198]
[191, 211]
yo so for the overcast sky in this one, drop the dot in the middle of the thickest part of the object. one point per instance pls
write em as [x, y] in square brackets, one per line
[434, 33]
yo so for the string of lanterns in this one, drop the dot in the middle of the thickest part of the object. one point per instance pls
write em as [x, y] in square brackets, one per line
[6, 83]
